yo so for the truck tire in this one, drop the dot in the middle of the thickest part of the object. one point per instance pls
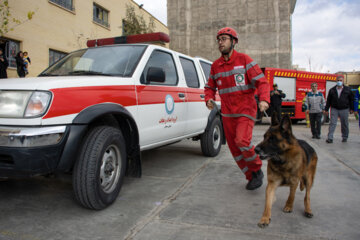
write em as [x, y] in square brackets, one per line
[100, 168]
[211, 139]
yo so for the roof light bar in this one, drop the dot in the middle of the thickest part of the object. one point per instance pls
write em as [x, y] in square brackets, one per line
[138, 38]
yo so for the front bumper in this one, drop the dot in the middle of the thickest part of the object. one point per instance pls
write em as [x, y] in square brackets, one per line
[30, 151]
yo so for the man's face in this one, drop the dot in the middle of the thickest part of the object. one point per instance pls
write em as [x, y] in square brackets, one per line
[224, 43]
[340, 80]
[313, 87]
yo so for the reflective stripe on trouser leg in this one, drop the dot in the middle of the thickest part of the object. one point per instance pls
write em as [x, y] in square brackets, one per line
[243, 138]
[241, 128]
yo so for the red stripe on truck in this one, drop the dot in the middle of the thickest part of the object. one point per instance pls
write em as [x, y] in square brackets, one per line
[73, 100]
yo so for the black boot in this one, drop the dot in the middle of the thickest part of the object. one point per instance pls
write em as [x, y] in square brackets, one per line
[256, 181]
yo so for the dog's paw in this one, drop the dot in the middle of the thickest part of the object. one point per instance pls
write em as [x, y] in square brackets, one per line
[309, 214]
[287, 209]
[264, 222]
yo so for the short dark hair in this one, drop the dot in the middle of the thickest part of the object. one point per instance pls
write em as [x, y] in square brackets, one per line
[339, 77]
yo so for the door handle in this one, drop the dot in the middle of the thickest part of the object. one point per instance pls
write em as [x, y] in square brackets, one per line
[181, 95]
[202, 95]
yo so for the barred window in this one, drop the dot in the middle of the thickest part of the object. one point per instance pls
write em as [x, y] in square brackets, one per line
[100, 15]
[68, 4]
[10, 48]
[54, 56]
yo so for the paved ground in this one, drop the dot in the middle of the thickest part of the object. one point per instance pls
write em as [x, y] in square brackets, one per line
[183, 195]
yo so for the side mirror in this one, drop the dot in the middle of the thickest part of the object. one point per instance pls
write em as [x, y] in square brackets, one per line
[155, 74]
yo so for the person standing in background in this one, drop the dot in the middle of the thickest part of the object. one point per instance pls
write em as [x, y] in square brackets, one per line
[357, 105]
[341, 101]
[20, 65]
[3, 65]
[315, 103]
[276, 97]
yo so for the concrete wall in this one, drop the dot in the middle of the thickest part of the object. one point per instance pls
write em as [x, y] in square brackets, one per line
[263, 26]
[57, 28]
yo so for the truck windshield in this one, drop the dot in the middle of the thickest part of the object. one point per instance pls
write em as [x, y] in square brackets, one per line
[118, 60]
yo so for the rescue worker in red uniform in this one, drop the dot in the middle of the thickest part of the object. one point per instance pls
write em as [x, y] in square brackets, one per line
[236, 76]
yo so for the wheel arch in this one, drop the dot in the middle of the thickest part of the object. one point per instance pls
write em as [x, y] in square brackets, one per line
[110, 114]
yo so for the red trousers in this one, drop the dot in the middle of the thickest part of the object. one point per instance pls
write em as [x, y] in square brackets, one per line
[238, 133]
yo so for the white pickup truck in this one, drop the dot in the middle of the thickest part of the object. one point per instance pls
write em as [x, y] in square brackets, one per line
[95, 110]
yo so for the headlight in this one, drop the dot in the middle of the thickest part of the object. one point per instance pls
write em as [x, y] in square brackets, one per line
[18, 104]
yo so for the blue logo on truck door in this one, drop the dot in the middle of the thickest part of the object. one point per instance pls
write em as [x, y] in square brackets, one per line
[169, 104]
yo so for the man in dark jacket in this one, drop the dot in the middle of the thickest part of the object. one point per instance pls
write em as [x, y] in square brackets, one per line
[341, 101]
[276, 99]
[3, 65]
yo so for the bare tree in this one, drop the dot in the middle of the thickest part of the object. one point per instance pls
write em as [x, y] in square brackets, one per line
[136, 24]
[8, 23]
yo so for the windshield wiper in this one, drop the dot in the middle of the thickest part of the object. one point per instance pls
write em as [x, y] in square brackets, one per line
[83, 72]
[47, 74]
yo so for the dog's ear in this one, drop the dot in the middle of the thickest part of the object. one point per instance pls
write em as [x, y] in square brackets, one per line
[274, 119]
[286, 123]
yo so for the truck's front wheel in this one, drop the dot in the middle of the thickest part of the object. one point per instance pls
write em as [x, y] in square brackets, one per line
[211, 139]
[100, 168]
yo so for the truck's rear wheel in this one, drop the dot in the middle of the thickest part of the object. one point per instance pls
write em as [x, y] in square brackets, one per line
[100, 168]
[211, 139]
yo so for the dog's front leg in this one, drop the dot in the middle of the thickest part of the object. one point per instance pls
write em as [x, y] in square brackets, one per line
[290, 202]
[270, 191]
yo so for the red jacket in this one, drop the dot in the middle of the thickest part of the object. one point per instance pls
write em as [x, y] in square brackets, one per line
[236, 80]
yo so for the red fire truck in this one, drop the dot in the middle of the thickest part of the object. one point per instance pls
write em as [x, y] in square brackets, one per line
[295, 84]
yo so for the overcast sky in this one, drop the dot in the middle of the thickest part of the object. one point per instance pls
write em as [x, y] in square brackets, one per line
[326, 32]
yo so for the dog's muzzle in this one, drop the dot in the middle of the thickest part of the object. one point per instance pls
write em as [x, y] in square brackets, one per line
[262, 154]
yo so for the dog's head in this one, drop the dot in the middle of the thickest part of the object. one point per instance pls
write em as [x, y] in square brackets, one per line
[277, 139]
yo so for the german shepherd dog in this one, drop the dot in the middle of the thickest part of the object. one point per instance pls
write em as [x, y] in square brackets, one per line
[290, 161]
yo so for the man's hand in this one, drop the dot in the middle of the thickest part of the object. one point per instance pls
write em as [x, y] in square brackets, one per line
[263, 106]
[210, 104]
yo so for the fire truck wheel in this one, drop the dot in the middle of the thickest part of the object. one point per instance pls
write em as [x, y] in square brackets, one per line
[211, 139]
[100, 168]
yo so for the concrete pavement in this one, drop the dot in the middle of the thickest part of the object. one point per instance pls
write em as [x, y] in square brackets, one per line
[183, 195]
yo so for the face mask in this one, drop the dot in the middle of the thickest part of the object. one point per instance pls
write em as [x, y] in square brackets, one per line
[339, 84]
